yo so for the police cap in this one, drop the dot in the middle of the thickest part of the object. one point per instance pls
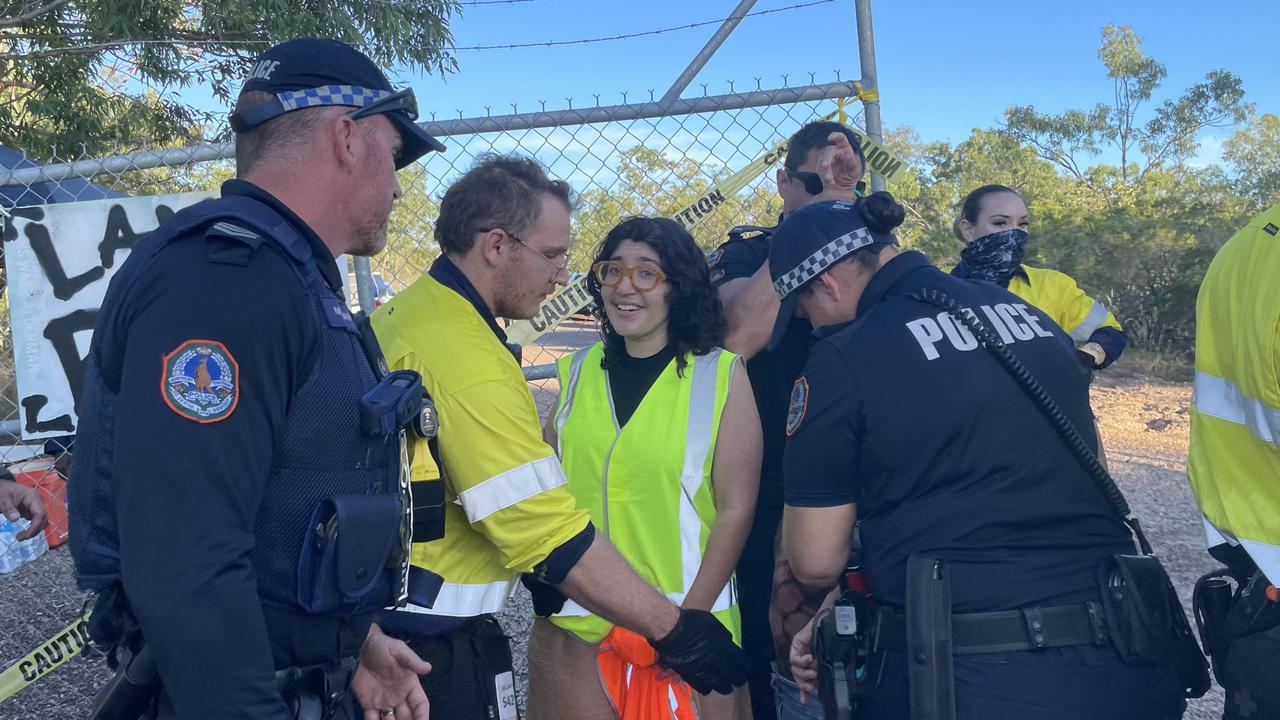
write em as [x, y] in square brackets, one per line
[810, 240]
[314, 72]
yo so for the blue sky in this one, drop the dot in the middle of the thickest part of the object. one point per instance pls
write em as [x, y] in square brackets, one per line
[945, 67]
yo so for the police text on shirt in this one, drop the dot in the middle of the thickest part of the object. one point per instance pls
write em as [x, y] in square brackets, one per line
[1011, 321]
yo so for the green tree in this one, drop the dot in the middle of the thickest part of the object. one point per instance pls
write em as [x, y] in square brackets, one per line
[1253, 153]
[1166, 137]
[98, 74]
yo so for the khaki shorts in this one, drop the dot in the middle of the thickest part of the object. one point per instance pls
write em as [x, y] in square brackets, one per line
[564, 682]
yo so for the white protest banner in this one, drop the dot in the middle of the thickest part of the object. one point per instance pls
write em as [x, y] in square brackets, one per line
[59, 260]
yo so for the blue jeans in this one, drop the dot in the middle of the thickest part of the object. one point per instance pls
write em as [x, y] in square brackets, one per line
[787, 699]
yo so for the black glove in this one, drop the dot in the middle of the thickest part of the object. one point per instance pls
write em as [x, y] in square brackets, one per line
[701, 651]
[547, 600]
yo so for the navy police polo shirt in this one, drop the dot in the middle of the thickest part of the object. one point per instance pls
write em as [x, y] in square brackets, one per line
[903, 413]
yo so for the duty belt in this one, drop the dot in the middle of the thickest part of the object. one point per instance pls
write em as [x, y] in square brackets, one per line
[1008, 630]
[312, 691]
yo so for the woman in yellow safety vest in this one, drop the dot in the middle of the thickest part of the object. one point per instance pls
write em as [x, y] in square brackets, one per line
[656, 427]
[993, 227]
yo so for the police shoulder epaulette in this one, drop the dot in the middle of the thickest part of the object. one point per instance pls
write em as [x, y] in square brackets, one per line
[750, 230]
[232, 243]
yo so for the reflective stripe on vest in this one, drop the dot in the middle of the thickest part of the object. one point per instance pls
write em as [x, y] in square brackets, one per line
[1223, 399]
[1233, 461]
[1097, 315]
[703, 384]
[459, 600]
[1266, 557]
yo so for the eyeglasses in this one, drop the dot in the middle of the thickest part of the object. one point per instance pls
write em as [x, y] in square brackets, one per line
[557, 269]
[644, 276]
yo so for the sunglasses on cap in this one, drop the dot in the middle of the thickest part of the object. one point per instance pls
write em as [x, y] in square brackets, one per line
[366, 102]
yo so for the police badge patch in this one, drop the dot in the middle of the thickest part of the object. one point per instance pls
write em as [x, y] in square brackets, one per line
[201, 381]
[799, 403]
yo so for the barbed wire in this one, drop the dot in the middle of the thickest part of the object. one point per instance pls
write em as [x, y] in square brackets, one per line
[93, 47]
[646, 33]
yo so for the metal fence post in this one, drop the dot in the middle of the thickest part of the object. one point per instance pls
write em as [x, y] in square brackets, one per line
[867, 60]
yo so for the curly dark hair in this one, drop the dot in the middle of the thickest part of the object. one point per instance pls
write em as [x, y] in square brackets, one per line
[695, 315]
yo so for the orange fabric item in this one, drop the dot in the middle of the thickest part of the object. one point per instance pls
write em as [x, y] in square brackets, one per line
[637, 687]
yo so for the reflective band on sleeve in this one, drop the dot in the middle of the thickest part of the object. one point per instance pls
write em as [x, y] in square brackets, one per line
[461, 600]
[1097, 315]
[511, 487]
[1223, 399]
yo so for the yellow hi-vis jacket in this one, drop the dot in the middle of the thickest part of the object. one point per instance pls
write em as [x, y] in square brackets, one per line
[1059, 297]
[507, 506]
[648, 484]
[1234, 459]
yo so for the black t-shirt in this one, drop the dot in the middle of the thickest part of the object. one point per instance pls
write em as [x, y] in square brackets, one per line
[630, 378]
[772, 372]
[904, 414]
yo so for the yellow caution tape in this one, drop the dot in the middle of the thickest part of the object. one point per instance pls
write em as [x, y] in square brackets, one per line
[50, 655]
[866, 94]
[575, 296]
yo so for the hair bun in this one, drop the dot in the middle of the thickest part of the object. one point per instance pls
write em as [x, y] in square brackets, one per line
[881, 212]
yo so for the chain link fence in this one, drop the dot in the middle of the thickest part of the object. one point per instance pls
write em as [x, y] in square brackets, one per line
[649, 158]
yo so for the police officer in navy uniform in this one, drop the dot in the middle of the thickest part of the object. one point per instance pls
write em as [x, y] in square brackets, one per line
[236, 499]
[901, 419]
[739, 270]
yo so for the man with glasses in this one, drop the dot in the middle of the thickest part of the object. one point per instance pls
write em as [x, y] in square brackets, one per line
[503, 232]
[231, 445]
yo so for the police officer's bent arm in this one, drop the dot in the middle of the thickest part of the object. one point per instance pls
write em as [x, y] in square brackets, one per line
[750, 305]
[818, 520]
[188, 491]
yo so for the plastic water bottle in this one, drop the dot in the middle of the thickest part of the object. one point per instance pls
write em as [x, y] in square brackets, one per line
[14, 554]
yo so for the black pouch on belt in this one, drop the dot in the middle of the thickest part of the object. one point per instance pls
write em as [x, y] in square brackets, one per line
[1146, 622]
[931, 672]
[343, 567]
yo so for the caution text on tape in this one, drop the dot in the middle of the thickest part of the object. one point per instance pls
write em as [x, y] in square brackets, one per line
[46, 658]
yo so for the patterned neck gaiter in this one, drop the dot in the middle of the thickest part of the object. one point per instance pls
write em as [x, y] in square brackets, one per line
[995, 257]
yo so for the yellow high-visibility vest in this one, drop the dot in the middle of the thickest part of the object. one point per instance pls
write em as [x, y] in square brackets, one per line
[1059, 297]
[648, 484]
[506, 504]
[1234, 459]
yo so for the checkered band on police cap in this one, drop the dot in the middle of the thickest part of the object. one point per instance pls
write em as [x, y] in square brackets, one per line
[823, 258]
[349, 95]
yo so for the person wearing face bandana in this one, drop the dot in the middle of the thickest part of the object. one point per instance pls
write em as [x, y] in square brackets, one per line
[993, 227]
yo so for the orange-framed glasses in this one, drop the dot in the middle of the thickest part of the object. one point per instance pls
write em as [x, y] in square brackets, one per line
[644, 276]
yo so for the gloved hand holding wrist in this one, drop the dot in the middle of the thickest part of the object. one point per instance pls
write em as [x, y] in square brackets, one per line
[702, 652]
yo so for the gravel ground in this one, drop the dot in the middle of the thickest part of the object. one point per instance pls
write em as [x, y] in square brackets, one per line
[1144, 425]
